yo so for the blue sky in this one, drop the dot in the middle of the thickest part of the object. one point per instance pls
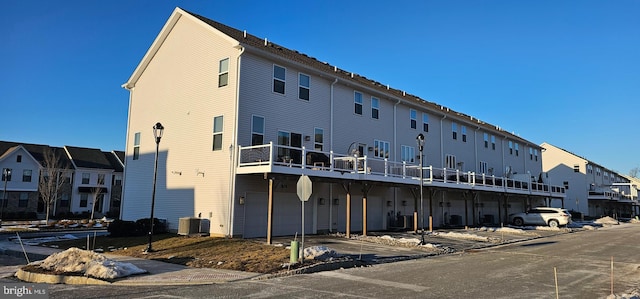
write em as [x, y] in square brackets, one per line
[562, 72]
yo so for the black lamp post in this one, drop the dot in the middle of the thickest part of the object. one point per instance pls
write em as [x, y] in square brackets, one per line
[158, 129]
[420, 140]
[5, 173]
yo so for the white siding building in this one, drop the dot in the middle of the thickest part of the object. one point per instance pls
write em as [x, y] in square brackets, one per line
[245, 117]
[591, 189]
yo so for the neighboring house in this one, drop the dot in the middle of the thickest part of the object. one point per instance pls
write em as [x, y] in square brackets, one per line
[245, 117]
[591, 189]
[27, 162]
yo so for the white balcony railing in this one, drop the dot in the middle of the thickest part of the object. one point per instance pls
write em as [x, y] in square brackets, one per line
[292, 160]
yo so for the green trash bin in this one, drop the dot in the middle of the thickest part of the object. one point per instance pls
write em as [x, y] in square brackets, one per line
[295, 247]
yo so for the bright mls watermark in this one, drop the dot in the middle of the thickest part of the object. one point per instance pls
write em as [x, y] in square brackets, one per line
[25, 291]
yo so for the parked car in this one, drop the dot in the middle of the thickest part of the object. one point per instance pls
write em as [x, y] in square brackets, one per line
[552, 217]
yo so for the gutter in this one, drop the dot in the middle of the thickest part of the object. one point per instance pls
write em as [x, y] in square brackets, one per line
[234, 150]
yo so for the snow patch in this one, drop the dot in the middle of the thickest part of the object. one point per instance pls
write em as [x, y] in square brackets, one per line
[319, 253]
[74, 260]
[606, 220]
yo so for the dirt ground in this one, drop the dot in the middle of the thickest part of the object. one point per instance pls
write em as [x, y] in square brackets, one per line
[195, 251]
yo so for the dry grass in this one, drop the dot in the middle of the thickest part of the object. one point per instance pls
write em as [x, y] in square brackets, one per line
[199, 252]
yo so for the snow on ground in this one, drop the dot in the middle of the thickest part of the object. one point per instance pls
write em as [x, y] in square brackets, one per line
[606, 220]
[74, 260]
[38, 241]
[320, 253]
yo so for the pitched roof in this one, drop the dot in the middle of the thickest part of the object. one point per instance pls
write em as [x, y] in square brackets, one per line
[88, 157]
[114, 160]
[37, 151]
[262, 44]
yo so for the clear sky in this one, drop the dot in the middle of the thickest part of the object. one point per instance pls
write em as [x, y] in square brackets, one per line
[562, 72]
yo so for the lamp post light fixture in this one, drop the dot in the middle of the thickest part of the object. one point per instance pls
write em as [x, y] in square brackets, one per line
[5, 174]
[420, 141]
[158, 129]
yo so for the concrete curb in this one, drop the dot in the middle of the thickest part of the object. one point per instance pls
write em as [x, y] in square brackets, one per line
[55, 279]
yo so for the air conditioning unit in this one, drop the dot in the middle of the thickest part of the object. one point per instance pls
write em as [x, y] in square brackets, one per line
[189, 226]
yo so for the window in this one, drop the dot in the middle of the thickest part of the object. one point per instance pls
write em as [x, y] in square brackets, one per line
[530, 153]
[223, 73]
[598, 171]
[493, 142]
[217, 133]
[425, 122]
[535, 154]
[84, 198]
[136, 146]
[483, 167]
[450, 161]
[86, 177]
[517, 149]
[279, 76]
[486, 140]
[19, 158]
[375, 108]
[24, 200]
[381, 149]
[407, 153]
[589, 168]
[510, 147]
[357, 101]
[257, 130]
[8, 177]
[454, 130]
[26, 175]
[303, 87]
[464, 133]
[100, 178]
[413, 116]
[64, 200]
[576, 168]
[117, 180]
[318, 139]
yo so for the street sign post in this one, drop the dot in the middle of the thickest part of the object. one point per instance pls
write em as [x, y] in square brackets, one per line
[304, 190]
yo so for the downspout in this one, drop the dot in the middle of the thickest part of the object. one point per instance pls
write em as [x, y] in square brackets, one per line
[130, 88]
[475, 145]
[395, 156]
[234, 149]
[331, 115]
[442, 142]
[331, 149]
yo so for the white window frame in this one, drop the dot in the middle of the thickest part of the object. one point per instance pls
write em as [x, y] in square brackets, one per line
[450, 161]
[282, 80]
[407, 153]
[218, 128]
[464, 133]
[381, 149]
[483, 167]
[454, 130]
[223, 72]
[425, 122]
[318, 139]
[375, 108]
[413, 118]
[302, 87]
[357, 102]
[255, 133]
[136, 146]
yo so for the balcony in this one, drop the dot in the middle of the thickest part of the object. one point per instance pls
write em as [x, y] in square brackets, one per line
[270, 158]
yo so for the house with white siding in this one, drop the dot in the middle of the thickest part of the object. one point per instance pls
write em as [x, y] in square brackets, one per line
[591, 189]
[88, 174]
[244, 118]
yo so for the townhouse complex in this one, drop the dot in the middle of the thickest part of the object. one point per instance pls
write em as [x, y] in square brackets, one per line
[76, 180]
[591, 189]
[244, 118]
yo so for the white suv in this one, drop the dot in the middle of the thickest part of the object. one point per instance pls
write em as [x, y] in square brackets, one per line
[553, 217]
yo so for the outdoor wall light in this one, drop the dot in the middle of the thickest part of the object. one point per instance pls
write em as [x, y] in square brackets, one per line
[336, 201]
[241, 200]
[388, 203]
[321, 201]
